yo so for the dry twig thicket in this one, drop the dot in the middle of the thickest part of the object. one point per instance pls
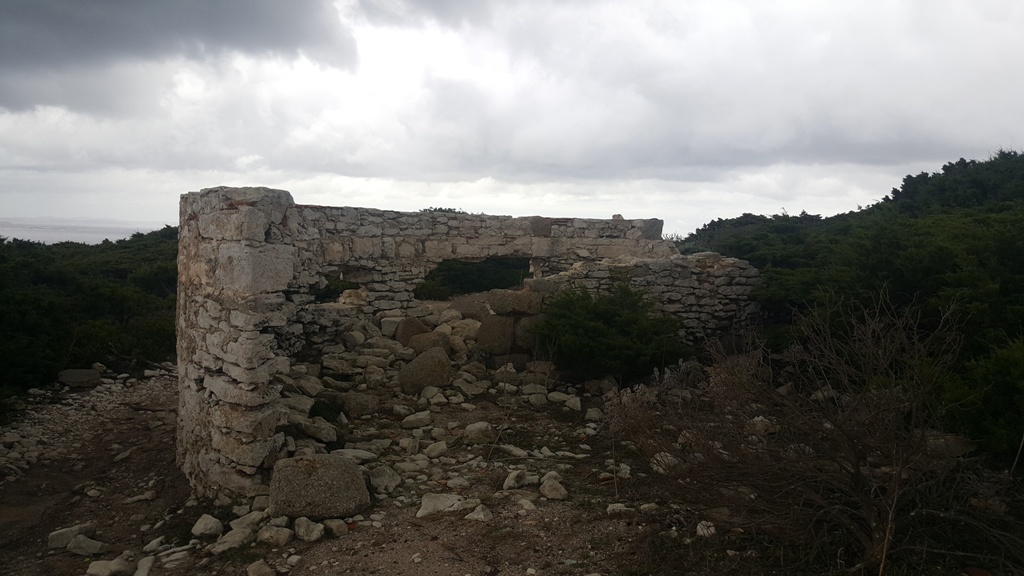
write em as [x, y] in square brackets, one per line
[832, 450]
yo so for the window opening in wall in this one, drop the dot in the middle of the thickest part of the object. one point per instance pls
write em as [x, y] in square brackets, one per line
[332, 289]
[455, 277]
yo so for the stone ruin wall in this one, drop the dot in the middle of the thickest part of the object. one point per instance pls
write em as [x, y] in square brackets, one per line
[249, 258]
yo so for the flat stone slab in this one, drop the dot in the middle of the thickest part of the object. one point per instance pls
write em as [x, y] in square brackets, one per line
[80, 377]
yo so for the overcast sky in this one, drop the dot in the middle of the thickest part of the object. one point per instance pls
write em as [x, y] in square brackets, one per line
[686, 110]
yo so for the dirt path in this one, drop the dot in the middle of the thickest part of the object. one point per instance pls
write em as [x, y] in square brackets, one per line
[101, 452]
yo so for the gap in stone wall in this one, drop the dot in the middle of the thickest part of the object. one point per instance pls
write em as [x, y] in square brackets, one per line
[455, 277]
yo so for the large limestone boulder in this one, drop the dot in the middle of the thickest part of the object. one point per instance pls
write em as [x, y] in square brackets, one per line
[496, 334]
[408, 328]
[514, 302]
[470, 307]
[431, 368]
[317, 486]
[420, 343]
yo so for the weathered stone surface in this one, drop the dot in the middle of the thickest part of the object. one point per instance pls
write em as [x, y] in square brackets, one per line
[420, 343]
[61, 538]
[417, 420]
[431, 368]
[496, 334]
[408, 328]
[512, 302]
[308, 530]
[434, 503]
[480, 433]
[231, 540]
[254, 269]
[335, 527]
[119, 566]
[80, 377]
[553, 490]
[317, 486]
[481, 514]
[85, 546]
[260, 568]
[207, 525]
[319, 429]
[355, 404]
[276, 536]
[252, 520]
[384, 479]
[249, 259]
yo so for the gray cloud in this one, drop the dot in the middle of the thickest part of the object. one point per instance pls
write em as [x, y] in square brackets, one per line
[414, 12]
[45, 44]
[709, 101]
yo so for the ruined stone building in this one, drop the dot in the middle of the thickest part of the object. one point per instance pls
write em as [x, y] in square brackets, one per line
[251, 262]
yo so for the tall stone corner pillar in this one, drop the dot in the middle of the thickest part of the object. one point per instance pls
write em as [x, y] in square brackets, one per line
[234, 264]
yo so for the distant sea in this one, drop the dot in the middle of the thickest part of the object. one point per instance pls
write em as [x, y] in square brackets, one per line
[53, 230]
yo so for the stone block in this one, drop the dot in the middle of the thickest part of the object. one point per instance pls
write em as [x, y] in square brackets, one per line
[420, 343]
[496, 334]
[317, 486]
[431, 368]
[408, 328]
[254, 269]
[506, 302]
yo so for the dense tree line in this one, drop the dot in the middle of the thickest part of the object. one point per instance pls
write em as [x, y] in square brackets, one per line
[950, 240]
[70, 304]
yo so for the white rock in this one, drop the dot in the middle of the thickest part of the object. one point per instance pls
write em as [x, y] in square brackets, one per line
[145, 565]
[231, 540]
[384, 479]
[436, 449]
[360, 456]
[705, 529]
[251, 520]
[85, 546]
[515, 479]
[556, 397]
[553, 490]
[61, 538]
[308, 530]
[481, 514]
[275, 536]
[618, 508]
[434, 503]
[480, 433]
[153, 545]
[417, 420]
[117, 567]
[513, 451]
[207, 526]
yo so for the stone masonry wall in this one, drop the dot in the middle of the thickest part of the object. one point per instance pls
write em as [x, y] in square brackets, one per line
[708, 292]
[249, 258]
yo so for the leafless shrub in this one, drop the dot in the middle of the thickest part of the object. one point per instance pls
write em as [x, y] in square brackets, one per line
[834, 447]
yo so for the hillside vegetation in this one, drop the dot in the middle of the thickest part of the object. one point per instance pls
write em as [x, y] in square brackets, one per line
[944, 242]
[70, 304]
[951, 241]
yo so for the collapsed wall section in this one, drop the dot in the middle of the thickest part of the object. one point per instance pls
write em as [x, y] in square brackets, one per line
[248, 261]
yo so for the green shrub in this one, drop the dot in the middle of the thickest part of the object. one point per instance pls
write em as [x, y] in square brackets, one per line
[454, 277]
[615, 334]
[988, 402]
[70, 304]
